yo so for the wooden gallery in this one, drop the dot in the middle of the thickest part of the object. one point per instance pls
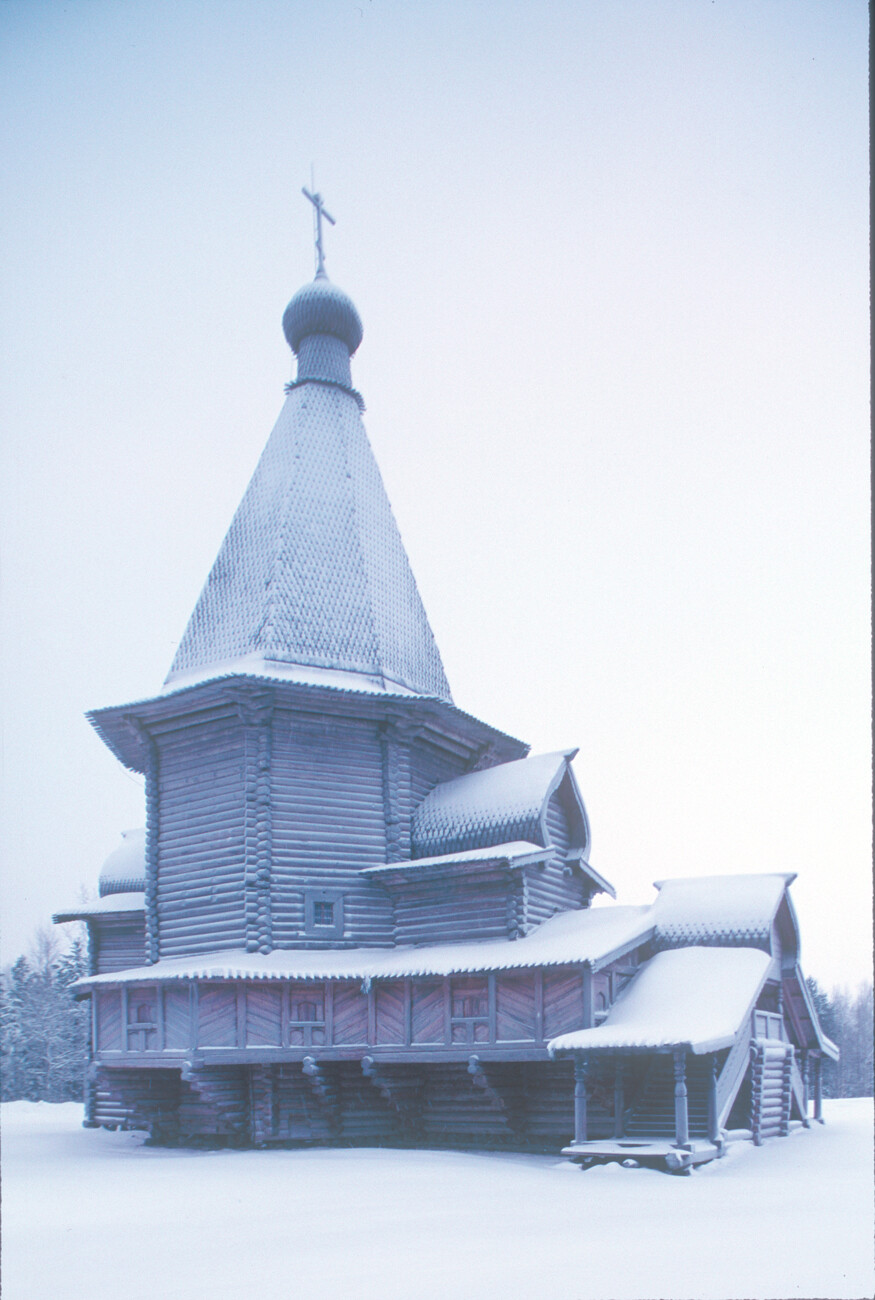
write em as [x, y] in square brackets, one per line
[360, 915]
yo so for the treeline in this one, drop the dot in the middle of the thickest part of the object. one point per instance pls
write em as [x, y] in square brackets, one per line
[43, 1031]
[846, 1018]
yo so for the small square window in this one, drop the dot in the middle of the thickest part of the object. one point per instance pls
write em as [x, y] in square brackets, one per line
[323, 913]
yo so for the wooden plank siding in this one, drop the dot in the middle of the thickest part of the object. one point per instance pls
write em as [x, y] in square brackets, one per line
[264, 1016]
[177, 1017]
[108, 1021]
[507, 1010]
[515, 1007]
[217, 1015]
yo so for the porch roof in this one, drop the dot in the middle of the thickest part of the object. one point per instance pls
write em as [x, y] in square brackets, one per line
[696, 998]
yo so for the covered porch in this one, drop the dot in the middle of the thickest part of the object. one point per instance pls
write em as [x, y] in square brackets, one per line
[691, 1063]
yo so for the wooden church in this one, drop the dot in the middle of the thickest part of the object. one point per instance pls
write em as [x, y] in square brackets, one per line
[359, 914]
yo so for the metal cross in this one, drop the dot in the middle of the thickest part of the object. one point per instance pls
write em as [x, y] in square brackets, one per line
[320, 212]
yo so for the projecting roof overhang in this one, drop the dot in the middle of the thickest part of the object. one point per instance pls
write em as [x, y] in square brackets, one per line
[122, 727]
[515, 855]
[111, 905]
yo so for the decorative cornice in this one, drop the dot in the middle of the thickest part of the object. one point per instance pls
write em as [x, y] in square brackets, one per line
[327, 383]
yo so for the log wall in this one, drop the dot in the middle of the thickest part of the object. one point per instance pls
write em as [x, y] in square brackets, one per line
[117, 944]
[554, 887]
[200, 856]
[457, 910]
[327, 782]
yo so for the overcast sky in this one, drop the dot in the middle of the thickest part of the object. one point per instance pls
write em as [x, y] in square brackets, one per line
[611, 260]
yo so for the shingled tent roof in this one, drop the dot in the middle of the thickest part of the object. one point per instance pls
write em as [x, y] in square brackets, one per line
[312, 570]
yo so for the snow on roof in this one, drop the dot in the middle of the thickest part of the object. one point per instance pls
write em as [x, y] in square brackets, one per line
[113, 724]
[109, 905]
[590, 935]
[692, 997]
[272, 670]
[518, 853]
[312, 570]
[497, 804]
[718, 909]
[124, 871]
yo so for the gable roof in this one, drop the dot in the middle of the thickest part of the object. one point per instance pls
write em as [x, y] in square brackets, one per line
[727, 910]
[312, 570]
[494, 806]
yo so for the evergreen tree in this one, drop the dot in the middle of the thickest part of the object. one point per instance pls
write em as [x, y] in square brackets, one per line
[43, 1030]
[847, 1019]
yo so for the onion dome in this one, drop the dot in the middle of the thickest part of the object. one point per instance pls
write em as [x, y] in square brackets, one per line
[124, 871]
[321, 308]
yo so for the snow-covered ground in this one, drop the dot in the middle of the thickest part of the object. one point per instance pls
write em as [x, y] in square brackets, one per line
[101, 1216]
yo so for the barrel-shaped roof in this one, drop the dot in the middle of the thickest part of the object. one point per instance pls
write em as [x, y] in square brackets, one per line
[494, 806]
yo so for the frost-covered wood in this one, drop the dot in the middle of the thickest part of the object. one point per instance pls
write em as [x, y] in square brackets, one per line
[358, 913]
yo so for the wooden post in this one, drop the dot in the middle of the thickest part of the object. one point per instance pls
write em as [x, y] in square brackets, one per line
[587, 997]
[713, 1130]
[125, 1041]
[539, 1005]
[372, 1015]
[681, 1109]
[818, 1089]
[159, 1011]
[619, 1100]
[241, 1015]
[90, 1085]
[756, 1093]
[492, 1006]
[805, 1099]
[194, 993]
[580, 1069]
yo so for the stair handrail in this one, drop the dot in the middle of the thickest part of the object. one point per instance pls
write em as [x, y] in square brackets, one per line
[797, 1085]
[734, 1068]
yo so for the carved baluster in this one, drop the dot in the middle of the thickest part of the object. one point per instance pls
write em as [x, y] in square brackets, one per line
[681, 1108]
[619, 1098]
[580, 1081]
